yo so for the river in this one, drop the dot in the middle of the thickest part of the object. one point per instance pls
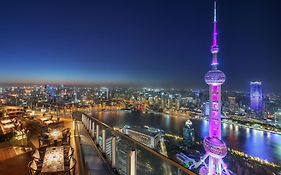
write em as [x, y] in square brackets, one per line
[256, 143]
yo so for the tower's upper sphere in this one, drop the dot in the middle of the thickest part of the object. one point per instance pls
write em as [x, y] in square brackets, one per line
[214, 76]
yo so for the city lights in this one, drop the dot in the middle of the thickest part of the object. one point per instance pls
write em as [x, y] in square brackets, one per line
[117, 88]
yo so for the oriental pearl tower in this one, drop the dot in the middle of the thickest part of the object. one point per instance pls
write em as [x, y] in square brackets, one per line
[215, 148]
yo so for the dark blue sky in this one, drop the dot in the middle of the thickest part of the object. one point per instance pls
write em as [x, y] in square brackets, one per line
[147, 42]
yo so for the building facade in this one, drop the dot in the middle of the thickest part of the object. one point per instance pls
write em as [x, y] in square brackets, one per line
[256, 96]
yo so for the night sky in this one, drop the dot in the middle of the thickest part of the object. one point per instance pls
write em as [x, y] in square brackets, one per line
[146, 43]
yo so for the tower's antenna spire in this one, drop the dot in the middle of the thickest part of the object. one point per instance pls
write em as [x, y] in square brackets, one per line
[215, 47]
[215, 11]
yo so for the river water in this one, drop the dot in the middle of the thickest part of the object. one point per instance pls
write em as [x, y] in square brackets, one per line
[256, 143]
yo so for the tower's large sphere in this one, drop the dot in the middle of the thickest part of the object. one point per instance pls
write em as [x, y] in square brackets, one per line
[215, 147]
[215, 77]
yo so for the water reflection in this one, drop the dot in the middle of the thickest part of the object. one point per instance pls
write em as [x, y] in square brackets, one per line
[253, 142]
[247, 132]
[167, 121]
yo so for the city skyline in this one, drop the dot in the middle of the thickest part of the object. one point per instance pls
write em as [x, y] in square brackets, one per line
[152, 44]
[118, 87]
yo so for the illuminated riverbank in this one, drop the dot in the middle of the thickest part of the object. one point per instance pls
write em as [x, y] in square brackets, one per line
[235, 153]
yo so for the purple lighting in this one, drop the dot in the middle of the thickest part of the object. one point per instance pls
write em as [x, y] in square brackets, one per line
[215, 148]
[256, 96]
[215, 48]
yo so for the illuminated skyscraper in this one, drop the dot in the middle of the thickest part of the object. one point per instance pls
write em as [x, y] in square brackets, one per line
[256, 96]
[188, 133]
[206, 108]
[215, 148]
[177, 104]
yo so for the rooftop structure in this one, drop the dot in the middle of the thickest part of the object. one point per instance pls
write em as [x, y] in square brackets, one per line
[146, 135]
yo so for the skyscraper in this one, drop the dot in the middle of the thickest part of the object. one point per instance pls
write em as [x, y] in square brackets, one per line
[177, 104]
[256, 96]
[188, 133]
[215, 148]
[232, 104]
[206, 108]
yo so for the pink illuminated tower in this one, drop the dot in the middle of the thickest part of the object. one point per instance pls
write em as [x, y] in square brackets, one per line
[215, 148]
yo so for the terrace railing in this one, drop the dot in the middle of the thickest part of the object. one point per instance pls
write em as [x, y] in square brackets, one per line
[128, 156]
